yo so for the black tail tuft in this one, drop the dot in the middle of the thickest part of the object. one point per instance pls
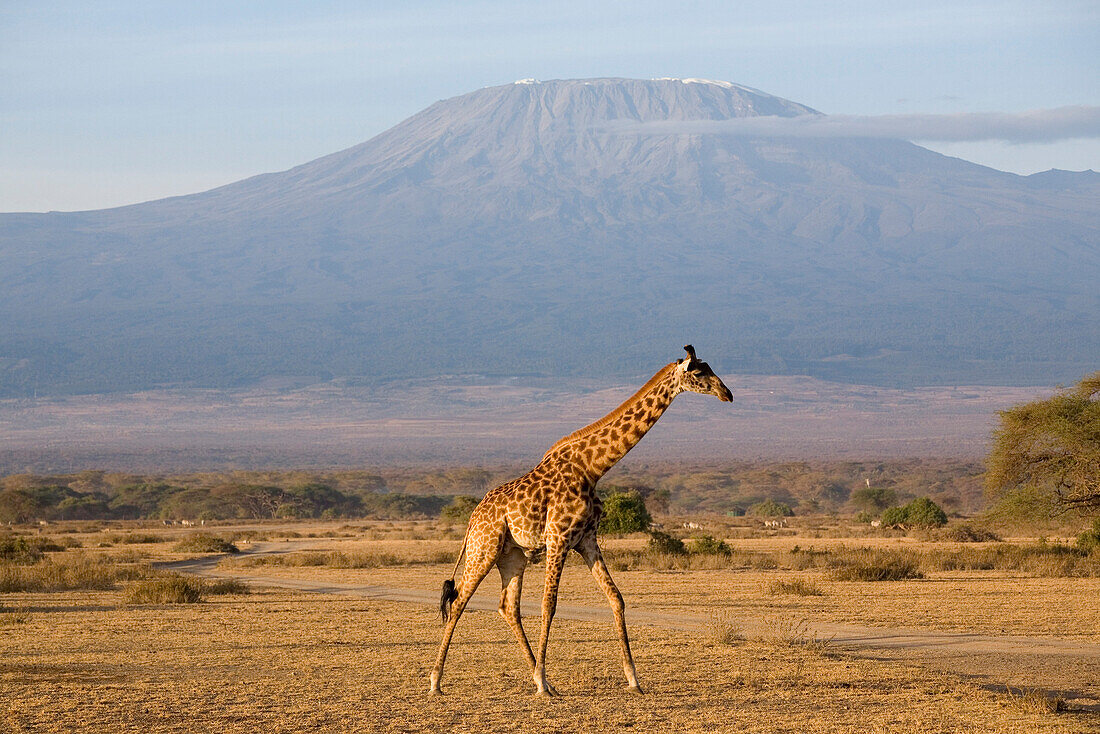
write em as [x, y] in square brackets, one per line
[449, 595]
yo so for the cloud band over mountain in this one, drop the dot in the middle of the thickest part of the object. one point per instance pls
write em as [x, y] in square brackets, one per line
[1032, 126]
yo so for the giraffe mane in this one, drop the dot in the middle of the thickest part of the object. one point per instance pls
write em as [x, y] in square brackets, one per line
[613, 415]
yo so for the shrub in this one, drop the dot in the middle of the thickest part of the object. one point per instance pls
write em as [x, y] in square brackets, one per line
[459, 509]
[921, 512]
[219, 587]
[706, 545]
[664, 543]
[966, 533]
[797, 587]
[771, 508]
[1089, 541]
[624, 512]
[16, 549]
[168, 590]
[133, 538]
[874, 499]
[205, 543]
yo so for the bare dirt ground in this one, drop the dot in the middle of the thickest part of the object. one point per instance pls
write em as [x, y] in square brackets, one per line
[321, 648]
[1069, 667]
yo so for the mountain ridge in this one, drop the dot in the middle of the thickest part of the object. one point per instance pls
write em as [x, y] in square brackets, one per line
[505, 229]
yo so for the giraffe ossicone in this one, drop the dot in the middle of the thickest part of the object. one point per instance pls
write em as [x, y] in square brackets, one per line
[553, 509]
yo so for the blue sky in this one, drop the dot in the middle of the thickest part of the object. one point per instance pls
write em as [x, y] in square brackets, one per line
[110, 103]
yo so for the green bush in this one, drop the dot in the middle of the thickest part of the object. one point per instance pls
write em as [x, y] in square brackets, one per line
[664, 543]
[205, 543]
[1089, 541]
[921, 512]
[771, 508]
[706, 545]
[624, 512]
[874, 499]
[459, 509]
[16, 549]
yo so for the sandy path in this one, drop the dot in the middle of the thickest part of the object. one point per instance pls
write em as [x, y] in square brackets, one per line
[1068, 667]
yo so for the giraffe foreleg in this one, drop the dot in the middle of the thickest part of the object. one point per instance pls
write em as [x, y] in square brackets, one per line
[590, 550]
[555, 561]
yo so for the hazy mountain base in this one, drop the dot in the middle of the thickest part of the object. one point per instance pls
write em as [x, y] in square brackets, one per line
[486, 421]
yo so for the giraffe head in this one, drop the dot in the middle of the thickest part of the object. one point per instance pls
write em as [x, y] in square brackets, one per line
[695, 376]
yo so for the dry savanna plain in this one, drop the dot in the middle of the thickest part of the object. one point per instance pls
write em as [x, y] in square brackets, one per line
[312, 626]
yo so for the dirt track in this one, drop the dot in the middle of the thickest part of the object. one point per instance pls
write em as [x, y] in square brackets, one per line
[1067, 667]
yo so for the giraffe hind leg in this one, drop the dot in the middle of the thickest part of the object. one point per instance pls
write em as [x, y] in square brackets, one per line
[480, 558]
[512, 564]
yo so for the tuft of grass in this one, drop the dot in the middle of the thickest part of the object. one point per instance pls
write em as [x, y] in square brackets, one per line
[1035, 701]
[222, 587]
[167, 590]
[868, 564]
[724, 629]
[795, 587]
[787, 632]
[205, 543]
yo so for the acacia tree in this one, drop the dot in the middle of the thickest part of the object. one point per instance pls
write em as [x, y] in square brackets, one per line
[1048, 451]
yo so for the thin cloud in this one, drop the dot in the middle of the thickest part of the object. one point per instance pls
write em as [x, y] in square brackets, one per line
[1033, 126]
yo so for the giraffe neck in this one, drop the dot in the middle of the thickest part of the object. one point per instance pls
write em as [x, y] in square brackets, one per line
[599, 446]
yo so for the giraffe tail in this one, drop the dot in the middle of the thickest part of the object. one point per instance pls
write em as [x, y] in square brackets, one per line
[449, 592]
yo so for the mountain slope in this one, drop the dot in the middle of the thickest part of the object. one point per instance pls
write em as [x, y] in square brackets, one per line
[518, 229]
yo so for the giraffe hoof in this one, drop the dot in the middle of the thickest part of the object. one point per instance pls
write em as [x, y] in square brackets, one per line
[636, 689]
[435, 691]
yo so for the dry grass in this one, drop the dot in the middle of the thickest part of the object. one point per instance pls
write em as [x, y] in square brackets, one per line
[794, 587]
[71, 571]
[725, 629]
[167, 590]
[1035, 701]
[176, 589]
[342, 559]
[282, 662]
[133, 538]
[784, 631]
[205, 543]
[873, 564]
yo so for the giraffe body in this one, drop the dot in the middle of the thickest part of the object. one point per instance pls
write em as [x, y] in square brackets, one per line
[554, 509]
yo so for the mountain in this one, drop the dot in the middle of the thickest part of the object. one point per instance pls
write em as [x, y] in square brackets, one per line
[540, 228]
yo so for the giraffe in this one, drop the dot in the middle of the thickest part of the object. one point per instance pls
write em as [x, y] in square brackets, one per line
[553, 509]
